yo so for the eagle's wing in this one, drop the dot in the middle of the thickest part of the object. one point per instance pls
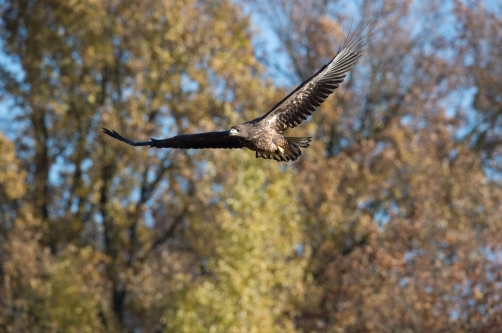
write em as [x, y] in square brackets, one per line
[300, 104]
[187, 141]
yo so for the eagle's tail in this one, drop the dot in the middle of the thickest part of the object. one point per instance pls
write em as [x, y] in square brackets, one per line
[291, 151]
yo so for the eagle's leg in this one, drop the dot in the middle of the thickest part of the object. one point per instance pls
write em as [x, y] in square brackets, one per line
[279, 142]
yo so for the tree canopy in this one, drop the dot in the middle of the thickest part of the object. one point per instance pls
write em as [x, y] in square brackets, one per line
[390, 221]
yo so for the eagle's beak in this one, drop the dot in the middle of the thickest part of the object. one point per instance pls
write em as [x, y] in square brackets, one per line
[233, 131]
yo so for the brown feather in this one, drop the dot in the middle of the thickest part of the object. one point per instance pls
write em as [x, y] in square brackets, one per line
[300, 104]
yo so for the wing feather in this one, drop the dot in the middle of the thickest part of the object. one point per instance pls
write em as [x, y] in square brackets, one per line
[304, 100]
[217, 140]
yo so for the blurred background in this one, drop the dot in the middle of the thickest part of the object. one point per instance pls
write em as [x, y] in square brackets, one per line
[389, 222]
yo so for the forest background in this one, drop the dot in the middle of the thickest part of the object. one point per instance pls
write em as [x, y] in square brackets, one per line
[390, 222]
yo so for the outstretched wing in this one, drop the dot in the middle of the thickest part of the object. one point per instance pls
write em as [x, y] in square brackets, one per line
[304, 100]
[221, 140]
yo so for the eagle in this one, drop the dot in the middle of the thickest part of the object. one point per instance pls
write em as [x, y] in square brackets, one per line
[265, 135]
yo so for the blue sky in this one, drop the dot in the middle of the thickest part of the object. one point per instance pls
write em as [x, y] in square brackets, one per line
[265, 35]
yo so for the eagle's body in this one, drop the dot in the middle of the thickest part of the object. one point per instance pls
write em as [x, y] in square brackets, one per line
[261, 136]
[265, 135]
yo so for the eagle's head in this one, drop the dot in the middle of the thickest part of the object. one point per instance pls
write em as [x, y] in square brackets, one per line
[239, 130]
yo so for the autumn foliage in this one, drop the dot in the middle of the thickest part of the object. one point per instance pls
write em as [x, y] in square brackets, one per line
[390, 222]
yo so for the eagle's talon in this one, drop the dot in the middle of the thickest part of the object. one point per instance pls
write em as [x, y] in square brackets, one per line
[280, 150]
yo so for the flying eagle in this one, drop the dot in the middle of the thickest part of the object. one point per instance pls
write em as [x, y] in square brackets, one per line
[265, 135]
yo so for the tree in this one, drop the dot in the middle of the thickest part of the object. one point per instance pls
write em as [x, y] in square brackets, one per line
[114, 228]
[389, 222]
[398, 212]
